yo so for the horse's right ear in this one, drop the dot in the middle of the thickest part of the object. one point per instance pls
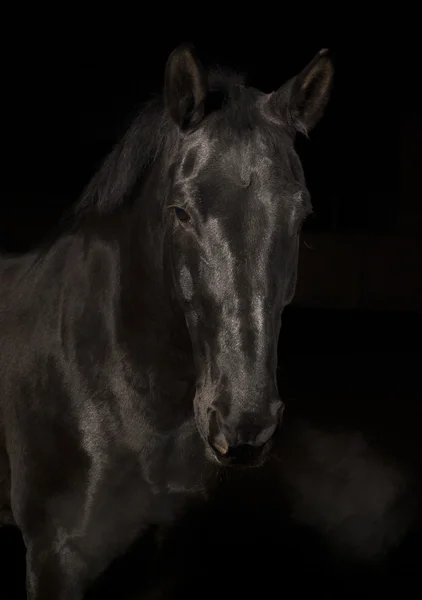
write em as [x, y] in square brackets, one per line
[185, 87]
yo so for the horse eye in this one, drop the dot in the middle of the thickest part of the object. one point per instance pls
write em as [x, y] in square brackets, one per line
[181, 214]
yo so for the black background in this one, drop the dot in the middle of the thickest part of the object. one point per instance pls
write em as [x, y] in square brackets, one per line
[70, 88]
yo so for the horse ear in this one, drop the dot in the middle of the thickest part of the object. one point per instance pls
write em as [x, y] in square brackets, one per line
[301, 100]
[185, 86]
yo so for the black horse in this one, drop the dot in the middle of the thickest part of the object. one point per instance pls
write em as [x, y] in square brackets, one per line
[138, 348]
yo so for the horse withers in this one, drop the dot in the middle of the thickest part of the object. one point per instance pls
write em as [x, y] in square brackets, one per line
[138, 346]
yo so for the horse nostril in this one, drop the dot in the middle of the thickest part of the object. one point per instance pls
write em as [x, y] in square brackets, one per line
[216, 437]
[220, 444]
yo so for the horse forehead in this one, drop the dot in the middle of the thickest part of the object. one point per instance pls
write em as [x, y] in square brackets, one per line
[236, 157]
[247, 159]
[250, 223]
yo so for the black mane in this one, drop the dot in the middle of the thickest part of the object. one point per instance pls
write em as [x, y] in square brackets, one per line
[127, 162]
[150, 132]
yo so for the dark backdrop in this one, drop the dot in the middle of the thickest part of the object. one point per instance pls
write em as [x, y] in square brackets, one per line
[69, 93]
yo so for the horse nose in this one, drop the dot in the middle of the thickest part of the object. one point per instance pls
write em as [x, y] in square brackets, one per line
[242, 439]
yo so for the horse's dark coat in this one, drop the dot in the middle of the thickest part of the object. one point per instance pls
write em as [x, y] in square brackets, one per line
[152, 321]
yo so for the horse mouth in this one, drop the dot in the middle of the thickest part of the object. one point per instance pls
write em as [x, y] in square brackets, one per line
[244, 457]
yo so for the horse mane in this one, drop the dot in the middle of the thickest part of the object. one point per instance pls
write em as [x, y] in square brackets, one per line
[147, 136]
[127, 161]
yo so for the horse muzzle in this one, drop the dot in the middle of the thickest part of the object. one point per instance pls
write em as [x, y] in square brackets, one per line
[243, 441]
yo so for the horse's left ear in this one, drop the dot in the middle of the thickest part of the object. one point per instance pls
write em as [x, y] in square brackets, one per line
[302, 100]
[185, 86]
